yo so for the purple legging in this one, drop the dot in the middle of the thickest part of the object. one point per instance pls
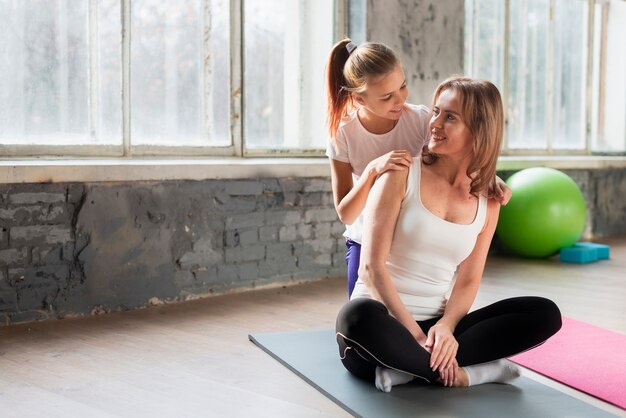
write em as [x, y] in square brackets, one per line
[353, 257]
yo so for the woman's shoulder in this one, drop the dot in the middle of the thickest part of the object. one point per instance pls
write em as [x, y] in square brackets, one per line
[393, 184]
[401, 183]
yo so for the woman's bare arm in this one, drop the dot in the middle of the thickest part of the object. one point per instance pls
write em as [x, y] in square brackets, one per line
[381, 215]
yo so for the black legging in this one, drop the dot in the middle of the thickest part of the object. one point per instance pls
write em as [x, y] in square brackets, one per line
[368, 336]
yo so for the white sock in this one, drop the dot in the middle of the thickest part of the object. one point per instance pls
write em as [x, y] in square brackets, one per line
[499, 371]
[387, 378]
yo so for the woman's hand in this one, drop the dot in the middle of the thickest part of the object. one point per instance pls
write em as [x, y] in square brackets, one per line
[393, 160]
[443, 347]
[448, 375]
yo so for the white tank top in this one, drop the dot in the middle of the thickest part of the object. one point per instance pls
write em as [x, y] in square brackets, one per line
[426, 251]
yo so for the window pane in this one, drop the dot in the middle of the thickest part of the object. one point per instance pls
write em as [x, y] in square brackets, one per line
[180, 73]
[484, 37]
[611, 63]
[52, 65]
[286, 44]
[570, 44]
[357, 21]
[220, 98]
[109, 79]
[526, 107]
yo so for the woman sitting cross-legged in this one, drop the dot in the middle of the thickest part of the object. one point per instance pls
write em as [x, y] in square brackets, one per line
[427, 231]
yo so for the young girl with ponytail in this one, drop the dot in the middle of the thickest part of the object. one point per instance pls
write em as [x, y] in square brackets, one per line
[372, 130]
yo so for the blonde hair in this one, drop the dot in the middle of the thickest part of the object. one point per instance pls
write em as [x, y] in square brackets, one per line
[482, 113]
[350, 72]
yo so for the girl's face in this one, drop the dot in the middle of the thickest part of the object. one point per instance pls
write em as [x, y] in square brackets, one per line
[385, 96]
[449, 135]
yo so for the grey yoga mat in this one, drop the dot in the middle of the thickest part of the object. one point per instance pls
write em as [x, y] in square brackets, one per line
[313, 355]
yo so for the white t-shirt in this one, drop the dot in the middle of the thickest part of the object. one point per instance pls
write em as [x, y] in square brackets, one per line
[357, 146]
[426, 251]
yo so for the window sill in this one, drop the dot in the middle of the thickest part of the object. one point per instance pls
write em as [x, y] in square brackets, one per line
[137, 169]
[148, 169]
[561, 162]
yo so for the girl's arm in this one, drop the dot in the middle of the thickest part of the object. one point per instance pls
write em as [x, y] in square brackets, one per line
[469, 274]
[381, 215]
[350, 199]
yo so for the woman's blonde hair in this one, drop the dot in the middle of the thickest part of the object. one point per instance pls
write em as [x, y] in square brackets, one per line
[349, 71]
[482, 113]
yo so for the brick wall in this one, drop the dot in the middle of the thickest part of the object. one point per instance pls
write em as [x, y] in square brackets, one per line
[38, 250]
[72, 249]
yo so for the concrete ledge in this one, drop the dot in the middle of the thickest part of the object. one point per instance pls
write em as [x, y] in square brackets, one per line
[561, 162]
[107, 170]
[145, 169]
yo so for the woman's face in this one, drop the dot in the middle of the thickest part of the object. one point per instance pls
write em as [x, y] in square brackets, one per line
[386, 95]
[448, 133]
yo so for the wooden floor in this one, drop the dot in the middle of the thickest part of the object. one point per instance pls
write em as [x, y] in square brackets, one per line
[194, 359]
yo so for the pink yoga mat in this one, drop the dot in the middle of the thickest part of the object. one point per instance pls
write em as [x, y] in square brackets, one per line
[585, 357]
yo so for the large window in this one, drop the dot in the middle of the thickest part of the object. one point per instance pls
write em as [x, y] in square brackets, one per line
[558, 65]
[180, 73]
[285, 47]
[60, 67]
[154, 77]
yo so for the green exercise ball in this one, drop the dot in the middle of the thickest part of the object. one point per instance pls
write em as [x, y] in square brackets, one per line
[546, 213]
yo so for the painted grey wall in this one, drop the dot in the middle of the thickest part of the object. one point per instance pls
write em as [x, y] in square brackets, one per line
[426, 34]
[606, 203]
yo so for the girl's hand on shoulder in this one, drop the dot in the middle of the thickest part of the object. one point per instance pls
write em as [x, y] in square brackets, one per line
[443, 347]
[393, 160]
[502, 192]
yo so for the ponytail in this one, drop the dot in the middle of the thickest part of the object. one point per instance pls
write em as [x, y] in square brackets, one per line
[338, 99]
[348, 70]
